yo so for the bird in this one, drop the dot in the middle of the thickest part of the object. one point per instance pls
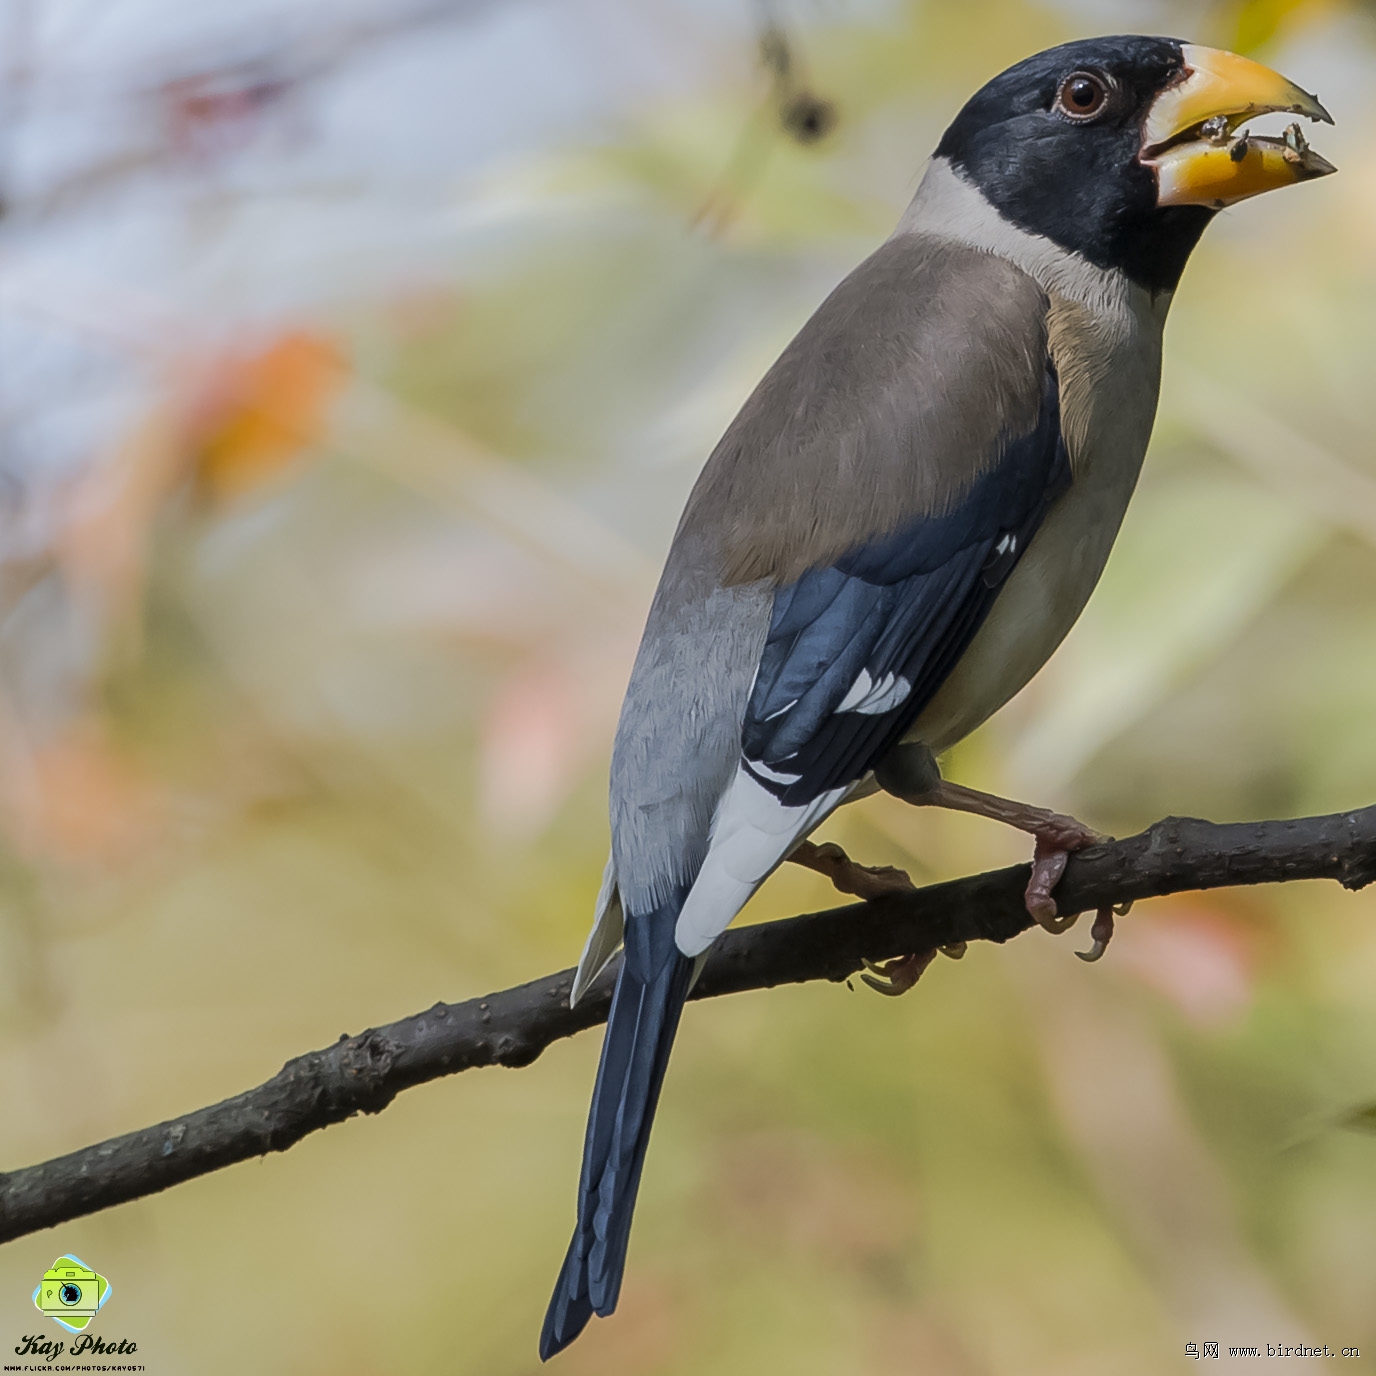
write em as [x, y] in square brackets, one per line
[898, 528]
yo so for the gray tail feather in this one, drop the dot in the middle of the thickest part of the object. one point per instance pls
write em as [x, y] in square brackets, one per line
[649, 996]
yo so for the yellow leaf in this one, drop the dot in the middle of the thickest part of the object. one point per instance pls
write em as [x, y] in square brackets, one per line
[1254, 23]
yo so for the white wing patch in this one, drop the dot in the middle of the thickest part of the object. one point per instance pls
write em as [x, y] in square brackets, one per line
[752, 834]
[775, 776]
[871, 698]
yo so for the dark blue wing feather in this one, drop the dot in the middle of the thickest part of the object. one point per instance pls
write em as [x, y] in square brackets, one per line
[901, 609]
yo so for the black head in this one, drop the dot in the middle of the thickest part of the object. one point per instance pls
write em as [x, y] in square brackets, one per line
[1069, 144]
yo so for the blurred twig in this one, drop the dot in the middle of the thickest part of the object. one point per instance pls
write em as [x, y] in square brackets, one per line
[803, 115]
[199, 97]
[792, 108]
[364, 1073]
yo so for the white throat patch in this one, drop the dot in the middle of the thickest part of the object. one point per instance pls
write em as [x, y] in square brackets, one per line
[950, 206]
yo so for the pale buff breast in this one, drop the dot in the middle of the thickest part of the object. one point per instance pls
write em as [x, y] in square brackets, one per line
[1110, 370]
[1105, 338]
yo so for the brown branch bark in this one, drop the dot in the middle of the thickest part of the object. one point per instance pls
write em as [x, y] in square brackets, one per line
[363, 1073]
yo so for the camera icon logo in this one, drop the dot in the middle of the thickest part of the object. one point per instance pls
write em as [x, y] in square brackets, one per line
[71, 1293]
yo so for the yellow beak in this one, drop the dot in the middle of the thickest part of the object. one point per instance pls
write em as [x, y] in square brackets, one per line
[1189, 136]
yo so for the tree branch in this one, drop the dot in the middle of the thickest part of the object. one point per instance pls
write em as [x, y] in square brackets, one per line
[363, 1073]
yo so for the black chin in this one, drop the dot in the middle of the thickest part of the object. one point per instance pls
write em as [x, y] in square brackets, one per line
[1153, 250]
[1109, 216]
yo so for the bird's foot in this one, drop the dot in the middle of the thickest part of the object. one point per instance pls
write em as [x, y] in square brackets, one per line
[910, 773]
[1057, 836]
[891, 977]
[1056, 840]
[864, 881]
[895, 977]
[1101, 933]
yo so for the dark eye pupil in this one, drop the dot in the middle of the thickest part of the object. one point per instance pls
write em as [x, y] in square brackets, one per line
[1083, 94]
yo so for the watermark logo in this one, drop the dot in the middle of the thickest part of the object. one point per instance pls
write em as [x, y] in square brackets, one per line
[71, 1293]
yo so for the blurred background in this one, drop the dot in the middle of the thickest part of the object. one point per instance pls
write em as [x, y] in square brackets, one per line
[355, 360]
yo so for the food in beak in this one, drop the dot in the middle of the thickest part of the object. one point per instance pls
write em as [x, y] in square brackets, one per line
[1193, 139]
[1219, 171]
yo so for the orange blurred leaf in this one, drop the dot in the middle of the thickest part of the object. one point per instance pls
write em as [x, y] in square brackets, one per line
[265, 411]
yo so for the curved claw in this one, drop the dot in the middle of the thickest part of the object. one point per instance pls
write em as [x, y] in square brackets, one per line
[876, 975]
[1124, 908]
[1057, 925]
[1102, 934]
[956, 950]
[882, 986]
[895, 977]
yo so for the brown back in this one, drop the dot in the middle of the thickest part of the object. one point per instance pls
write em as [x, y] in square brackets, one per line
[892, 399]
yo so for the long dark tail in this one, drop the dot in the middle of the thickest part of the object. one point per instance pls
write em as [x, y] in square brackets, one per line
[649, 997]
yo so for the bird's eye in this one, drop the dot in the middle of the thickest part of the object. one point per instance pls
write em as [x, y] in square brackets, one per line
[1082, 95]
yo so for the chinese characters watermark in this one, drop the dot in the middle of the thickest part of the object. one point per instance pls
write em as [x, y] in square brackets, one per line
[1203, 1351]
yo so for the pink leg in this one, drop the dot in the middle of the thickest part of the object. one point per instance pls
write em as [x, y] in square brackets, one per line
[1056, 835]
